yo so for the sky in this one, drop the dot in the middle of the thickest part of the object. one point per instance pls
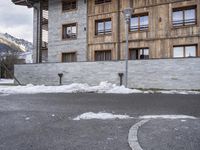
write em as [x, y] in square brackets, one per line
[16, 20]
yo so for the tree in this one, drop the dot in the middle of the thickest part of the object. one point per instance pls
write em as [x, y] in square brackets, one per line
[8, 60]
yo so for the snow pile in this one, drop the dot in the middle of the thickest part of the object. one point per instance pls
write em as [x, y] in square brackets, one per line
[103, 87]
[6, 81]
[167, 117]
[100, 116]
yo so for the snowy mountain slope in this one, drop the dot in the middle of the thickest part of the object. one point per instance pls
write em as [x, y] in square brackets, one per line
[9, 44]
[28, 46]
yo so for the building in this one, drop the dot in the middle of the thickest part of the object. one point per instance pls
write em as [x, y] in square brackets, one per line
[94, 30]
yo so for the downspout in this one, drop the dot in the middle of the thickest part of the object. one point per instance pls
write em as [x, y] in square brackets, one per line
[118, 32]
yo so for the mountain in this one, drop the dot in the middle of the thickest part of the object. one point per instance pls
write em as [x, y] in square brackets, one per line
[10, 44]
[28, 46]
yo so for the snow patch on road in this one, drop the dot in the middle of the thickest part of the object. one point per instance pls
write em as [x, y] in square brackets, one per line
[167, 117]
[103, 87]
[100, 116]
[27, 118]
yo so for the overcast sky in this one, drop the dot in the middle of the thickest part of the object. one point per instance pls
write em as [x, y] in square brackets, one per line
[16, 20]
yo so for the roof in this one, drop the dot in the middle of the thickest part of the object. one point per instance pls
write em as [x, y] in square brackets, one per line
[25, 2]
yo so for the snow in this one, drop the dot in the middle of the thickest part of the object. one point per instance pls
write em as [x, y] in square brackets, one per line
[109, 116]
[103, 87]
[183, 120]
[27, 118]
[167, 117]
[100, 116]
[6, 81]
[183, 92]
[27, 56]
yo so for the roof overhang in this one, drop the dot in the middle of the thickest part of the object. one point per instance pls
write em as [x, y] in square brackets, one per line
[28, 3]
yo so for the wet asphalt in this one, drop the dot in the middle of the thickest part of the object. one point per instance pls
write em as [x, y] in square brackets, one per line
[45, 121]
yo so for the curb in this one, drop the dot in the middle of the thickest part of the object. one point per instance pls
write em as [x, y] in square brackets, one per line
[133, 135]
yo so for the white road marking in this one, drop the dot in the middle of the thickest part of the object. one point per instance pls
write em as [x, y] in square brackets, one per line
[133, 132]
[133, 135]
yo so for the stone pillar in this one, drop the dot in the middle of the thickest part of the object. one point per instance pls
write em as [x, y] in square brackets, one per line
[37, 33]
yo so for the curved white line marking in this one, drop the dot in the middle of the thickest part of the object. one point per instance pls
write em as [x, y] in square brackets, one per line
[133, 135]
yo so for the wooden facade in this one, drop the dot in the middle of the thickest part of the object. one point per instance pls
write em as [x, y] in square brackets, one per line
[161, 36]
[158, 38]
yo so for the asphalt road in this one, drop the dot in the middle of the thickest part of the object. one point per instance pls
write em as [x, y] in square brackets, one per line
[44, 121]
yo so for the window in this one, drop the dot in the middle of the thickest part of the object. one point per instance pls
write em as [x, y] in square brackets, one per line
[70, 31]
[141, 53]
[68, 5]
[185, 51]
[103, 55]
[184, 16]
[69, 57]
[103, 27]
[139, 22]
[102, 1]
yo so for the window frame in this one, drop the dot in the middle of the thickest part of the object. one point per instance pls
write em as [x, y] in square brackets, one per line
[101, 3]
[69, 53]
[138, 50]
[103, 51]
[184, 50]
[69, 25]
[183, 9]
[71, 9]
[104, 25]
[139, 27]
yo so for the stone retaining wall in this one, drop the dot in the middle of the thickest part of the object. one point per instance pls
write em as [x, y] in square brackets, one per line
[158, 73]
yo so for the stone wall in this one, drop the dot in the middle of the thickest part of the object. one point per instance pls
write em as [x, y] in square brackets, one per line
[159, 74]
[57, 18]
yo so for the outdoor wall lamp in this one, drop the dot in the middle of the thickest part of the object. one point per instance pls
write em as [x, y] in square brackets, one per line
[121, 78]
[60, 77]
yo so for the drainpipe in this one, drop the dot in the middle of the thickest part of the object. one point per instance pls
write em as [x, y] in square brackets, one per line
[118, 32]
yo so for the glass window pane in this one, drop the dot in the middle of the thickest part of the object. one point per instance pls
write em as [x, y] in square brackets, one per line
[108, 26]
[69, 30]
[190, 14]
[178, 18]
[190, 51]
[146, 51]
[74, 29]
[144, 54]
[144, 21]
[134, 54]
[100, 27]
[190, 17]
[108, 55]
[178, 52]
[134, 24]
